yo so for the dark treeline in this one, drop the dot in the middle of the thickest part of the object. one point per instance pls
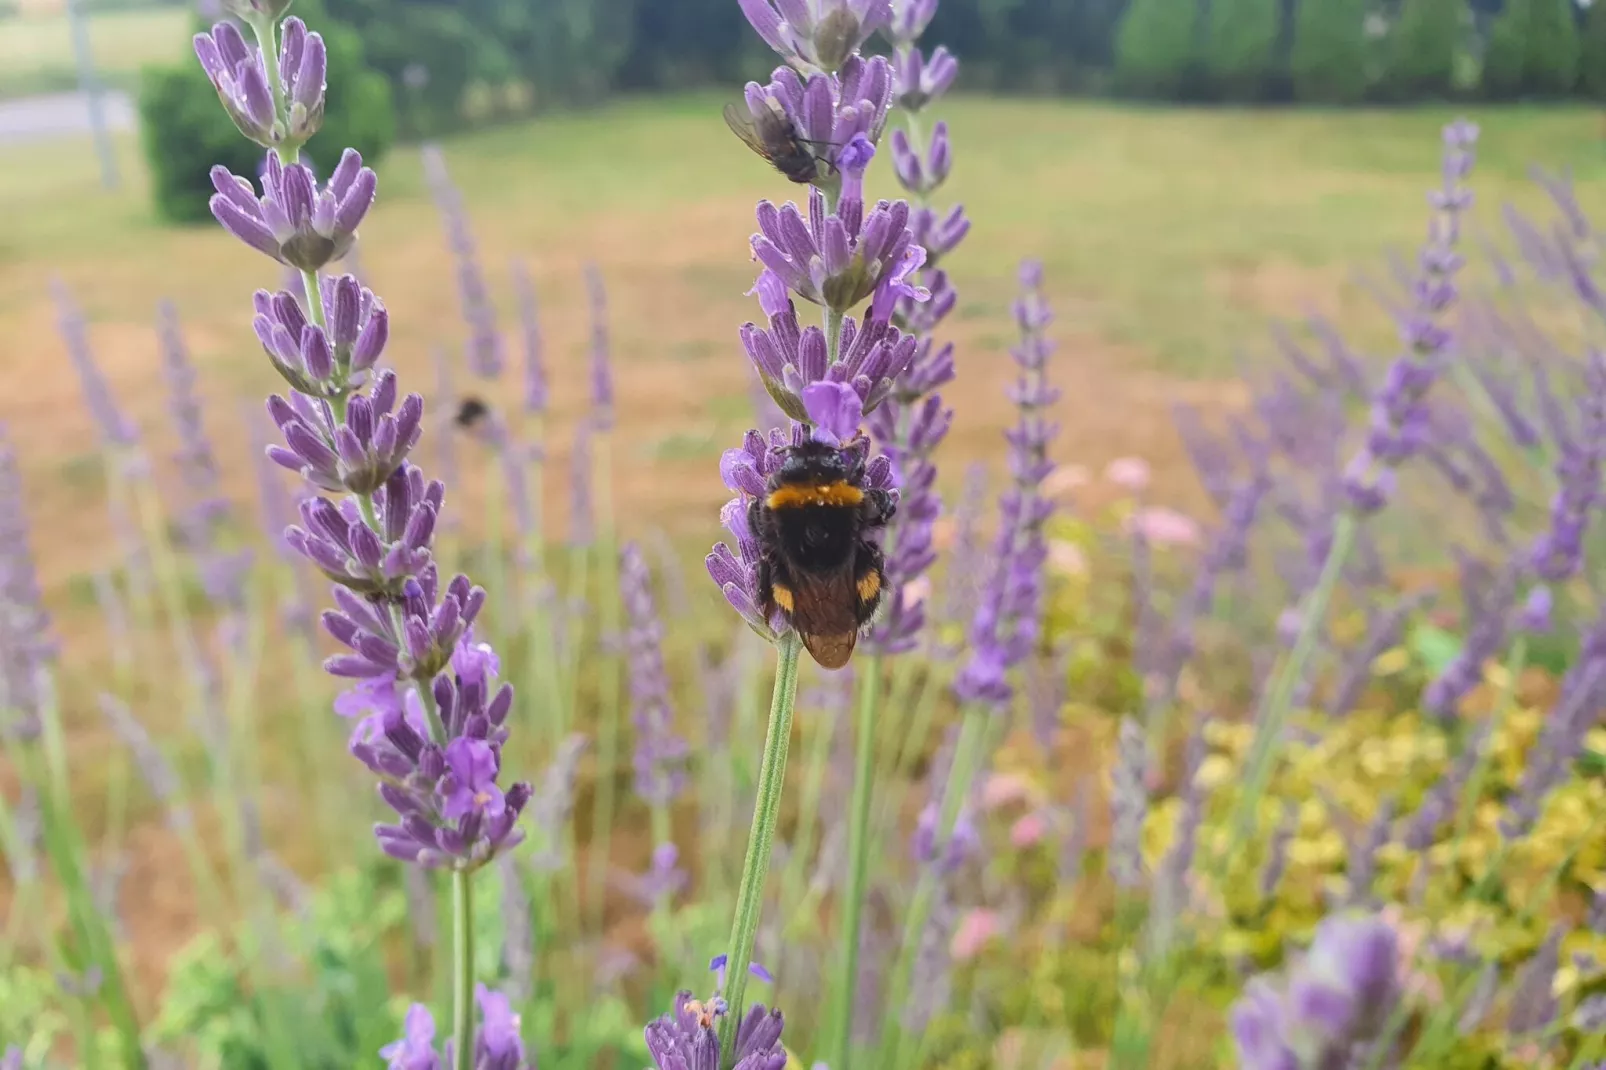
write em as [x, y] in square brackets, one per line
[556, 52]
[435, 66]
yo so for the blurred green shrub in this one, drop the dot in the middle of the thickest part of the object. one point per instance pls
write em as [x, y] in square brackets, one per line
[1156, 48]
[1533, 50]
[1420, 51]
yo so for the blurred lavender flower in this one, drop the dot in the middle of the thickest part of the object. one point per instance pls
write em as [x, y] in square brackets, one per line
[1558, 553]
[1401, 420]
[1129, 806]
[1277, 852]
[909, 20]
[25, 643]
[922, 79]
[223, 573]
[582, 510]
[294, 222]
[159, 775]
[1007, 621]
[116, 430]
[553, 803]
[661, 755]
[536, 390]
[922, 176]
[497, 1045]
[1533, 1003]
[484, 343]
[1337, 997]
[820, 34]
[601, 372]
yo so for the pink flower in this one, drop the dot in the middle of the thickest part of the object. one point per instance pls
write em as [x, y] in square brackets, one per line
[1164, 527]
[1067, 557]
[975, 930]
[1005, 788]
[1028, 830]
[1063, 480]
[915, 591]
[1128, 473]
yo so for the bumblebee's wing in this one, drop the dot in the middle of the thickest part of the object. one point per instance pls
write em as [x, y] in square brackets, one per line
[825, 614]
[742, 126]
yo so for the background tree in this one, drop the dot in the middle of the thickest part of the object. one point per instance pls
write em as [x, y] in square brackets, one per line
[1240, 43]
[1330, 52]
[1420, 52]
[1592, 62]
[1156, 47]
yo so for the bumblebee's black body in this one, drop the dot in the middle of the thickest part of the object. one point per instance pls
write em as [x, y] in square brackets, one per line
[817, 566]
[772, 135]
[470, 411]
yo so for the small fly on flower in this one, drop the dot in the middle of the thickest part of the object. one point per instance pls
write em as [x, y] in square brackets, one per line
[774, 136]
[818, 567]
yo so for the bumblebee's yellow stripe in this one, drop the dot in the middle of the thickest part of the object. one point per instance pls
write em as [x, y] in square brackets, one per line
[797, 495]
[869, 586]
[782, 596]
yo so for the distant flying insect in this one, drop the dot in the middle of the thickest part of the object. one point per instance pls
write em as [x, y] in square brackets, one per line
[773, 136]
[817, 567]
[470, 412]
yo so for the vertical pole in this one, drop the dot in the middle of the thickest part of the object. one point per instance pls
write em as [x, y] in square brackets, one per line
[89, 85]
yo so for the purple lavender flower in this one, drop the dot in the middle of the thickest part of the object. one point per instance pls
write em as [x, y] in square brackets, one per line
[241, 80]
[661, 755]
[601, 372]
[831, 114]
[840, 259]
[921, 80]
[25, 644]
[1401, 421]
[922, 175]
[359, 453]
[909, 20]
[497, 1044]
[341, 354]
[1129, 806]
[817, 33]
[1337, 997]
[293, 221]
[484, 344]
[788, 359]
[115, 428]
[536, 391]
[688, 1038]
[1007, 619]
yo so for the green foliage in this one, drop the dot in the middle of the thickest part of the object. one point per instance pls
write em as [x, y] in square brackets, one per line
[1592, 63]
[1330, 55]
[1240, 47]
[1533, 49]
[336, 1016]
[402, 40]
[185, 132]
[1420, 52]
[1156, 51]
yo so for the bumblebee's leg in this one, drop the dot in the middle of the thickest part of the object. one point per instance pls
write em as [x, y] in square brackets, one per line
[755, 519]
[877, 508]
[766, 587]
[870, 580]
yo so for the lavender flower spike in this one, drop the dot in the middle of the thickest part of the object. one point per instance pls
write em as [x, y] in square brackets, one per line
[1340, 996]
[817, 33]
[601, 373]
[688, 1037]
[661, 755]
[839, 260]
[237, 73]
[294, 222]
[25, 643]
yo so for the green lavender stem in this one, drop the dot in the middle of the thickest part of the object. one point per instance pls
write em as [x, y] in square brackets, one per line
[1280, 697]
[846, 985]
[608, 729]
[1480, 772]
[761, 839]
[462, 970]
[967, 760]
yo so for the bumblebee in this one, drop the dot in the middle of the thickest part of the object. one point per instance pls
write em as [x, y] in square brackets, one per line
[773, 136]
[471, 411]
[817, 566]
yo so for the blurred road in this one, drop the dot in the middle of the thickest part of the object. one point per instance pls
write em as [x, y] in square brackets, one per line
[60, 114]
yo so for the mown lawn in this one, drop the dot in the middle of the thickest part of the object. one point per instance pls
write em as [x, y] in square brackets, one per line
[1172, 238]
[36, 49]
